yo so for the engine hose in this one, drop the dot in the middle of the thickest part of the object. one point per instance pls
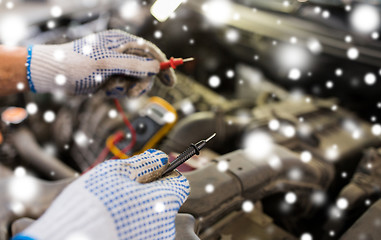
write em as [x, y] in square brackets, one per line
[29, 150]
[200, 125]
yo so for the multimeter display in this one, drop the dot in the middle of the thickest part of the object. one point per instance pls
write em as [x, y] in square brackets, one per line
[157, 112]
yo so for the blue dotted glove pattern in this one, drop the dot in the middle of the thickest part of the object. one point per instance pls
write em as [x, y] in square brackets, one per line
[96, 79]
[105, 45]
[139, 211]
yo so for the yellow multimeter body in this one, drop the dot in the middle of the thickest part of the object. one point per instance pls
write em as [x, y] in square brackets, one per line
[153, 123]
[163, 114]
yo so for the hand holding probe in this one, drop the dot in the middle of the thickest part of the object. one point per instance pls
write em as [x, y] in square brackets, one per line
[193, 149]
[118, 86]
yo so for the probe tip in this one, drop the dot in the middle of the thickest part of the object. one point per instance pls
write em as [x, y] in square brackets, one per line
[207, 140]
[188, 59]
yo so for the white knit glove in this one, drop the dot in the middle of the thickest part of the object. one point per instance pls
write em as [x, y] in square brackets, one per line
[83, 66]
[109, 202]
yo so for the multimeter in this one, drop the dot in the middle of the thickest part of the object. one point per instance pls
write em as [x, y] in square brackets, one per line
[154, 121]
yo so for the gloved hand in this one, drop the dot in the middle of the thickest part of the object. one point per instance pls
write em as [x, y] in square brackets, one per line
[82, 66]
[110, 202]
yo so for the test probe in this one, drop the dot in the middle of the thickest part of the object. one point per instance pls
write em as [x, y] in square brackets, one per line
[174, 62]
[193, 149]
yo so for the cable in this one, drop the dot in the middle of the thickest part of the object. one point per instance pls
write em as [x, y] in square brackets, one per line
[129, 126]
[101, 157]
[111, 140]
[110, 144]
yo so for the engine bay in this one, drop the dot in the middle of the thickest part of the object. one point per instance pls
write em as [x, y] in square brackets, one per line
[297, 148]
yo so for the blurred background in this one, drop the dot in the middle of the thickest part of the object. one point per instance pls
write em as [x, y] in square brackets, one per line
[291, 87]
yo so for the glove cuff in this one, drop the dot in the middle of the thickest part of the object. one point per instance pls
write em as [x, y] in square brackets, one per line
[28, 75]
[22, 237]
[74, 214]
[44, 64]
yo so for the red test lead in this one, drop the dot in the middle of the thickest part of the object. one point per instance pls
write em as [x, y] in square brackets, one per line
[174, 62]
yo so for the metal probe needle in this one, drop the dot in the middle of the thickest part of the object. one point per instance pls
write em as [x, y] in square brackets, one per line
[208, 139]
[193, 149]
[188, 59]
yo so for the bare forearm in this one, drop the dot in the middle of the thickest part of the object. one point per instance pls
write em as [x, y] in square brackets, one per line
[13, 70]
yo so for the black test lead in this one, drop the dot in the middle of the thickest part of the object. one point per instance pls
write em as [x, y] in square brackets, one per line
[193, 149]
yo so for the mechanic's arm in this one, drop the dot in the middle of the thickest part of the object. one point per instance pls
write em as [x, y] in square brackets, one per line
[84, 65]
[118, 199]
[12, 70]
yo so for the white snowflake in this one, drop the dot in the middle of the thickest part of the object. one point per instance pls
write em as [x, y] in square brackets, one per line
[209, 188]
[339, 72]
[214, 81]
[365, 18]
[353, 53]
[56, 11]
[49, 116]
[230, 73]
[305, 156]
[306, 236]
[325, 14]
[274, 124]
[222, 166]
[342, 203]
[247, 206]
[294, 74]
[370, 78]
[290, 198]
[60, 79]
[232, 35]
[157, 34]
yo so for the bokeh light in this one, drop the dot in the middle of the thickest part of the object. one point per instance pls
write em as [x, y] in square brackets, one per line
[247, 206]
[169, 117]
[305, 156]
[13, 29]
[23, 189]
[81, 139]
[293, 56]
[370, 78]
[274, 124]
[159, 207]
[290, 198]
[32, 108]
[209, 188]
[56, 11]
[294, 74]
[49, 116]
[365, 18]
[60, 79]
[318, 198]
[275, 162]
[112, 113]
[306, 236]
[222, 166]
[342, 203]
[129, 10]
[353, 53]
[217, 11]
[214, 81]
[258, 145]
